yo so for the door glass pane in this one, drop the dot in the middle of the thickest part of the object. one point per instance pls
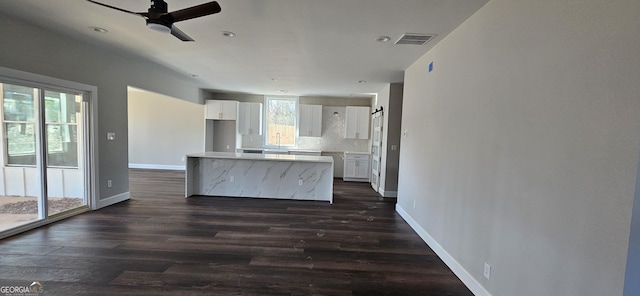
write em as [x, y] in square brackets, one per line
[65, 175]
[62, 113]
[19, 124]
[21, 189]
[21, 143]
[18, 103]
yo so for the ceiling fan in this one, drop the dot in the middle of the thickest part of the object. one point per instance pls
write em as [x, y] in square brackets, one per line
[158, 19]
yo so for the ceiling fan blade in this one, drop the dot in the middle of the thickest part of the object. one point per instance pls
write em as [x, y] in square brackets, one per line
[142, 14]
[181, 35]
[195, 11]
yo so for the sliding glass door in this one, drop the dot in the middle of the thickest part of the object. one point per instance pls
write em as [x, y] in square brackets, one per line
[43, 169]
[65, 171]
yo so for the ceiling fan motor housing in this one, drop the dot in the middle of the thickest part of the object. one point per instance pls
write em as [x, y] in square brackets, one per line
[158, 20]
[158, 6]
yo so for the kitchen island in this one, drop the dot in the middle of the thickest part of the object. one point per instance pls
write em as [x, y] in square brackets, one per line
[279, 176]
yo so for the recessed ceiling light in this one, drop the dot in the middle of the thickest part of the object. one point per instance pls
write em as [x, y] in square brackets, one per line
[383, 38]
[99, 30]
[228, 34]
[362, 81]
[284, 91]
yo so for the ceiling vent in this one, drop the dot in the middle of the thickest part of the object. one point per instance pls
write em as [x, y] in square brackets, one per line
[415, 39]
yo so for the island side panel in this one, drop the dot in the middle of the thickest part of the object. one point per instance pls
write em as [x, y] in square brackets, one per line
[261, 178]
[212, 177]
[291, 182]
[324, 182]
[191, 174]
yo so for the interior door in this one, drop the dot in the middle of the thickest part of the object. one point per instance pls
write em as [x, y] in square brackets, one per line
[376, 150]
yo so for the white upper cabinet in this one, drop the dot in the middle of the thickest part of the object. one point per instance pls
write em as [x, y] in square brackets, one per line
[357, 122]
[250, 118]
[310, 124]
[221, 110]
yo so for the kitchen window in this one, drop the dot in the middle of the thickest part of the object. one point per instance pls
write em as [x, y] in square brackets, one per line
[281, 121]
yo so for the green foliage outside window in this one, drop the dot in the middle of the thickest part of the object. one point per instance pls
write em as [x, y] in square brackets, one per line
[19, 113]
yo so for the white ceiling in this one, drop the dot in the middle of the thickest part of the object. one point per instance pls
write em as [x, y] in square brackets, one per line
[312, 47]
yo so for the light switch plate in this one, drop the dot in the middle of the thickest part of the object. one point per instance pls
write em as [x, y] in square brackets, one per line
[111, 136]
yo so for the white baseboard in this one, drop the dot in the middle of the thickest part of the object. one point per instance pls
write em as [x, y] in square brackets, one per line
[471, 283]
[156, 167]
[348, 179]
[387, 193]
[101, 203]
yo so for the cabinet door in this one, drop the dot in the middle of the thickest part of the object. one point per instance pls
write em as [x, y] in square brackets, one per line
[350, 169]
[364, 117]
[357, 122]
[213, 109]
[255, 113]
[310, 121]
[229, 110]
[250, 118]
[362, 169]
[221, 110]
[351, 122]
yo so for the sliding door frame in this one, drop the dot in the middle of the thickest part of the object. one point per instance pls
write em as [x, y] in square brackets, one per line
[89, 133]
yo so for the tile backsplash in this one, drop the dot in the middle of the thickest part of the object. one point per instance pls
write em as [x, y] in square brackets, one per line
[332, 135]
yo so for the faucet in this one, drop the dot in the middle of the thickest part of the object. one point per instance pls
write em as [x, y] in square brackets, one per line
[278, 140]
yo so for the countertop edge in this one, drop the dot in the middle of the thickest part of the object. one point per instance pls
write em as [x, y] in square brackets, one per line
[264, 157]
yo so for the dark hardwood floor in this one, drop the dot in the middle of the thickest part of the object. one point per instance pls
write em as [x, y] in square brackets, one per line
[159, 243]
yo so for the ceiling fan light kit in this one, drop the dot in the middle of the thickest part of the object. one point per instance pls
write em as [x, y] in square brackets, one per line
[159, 19]
[158, 28]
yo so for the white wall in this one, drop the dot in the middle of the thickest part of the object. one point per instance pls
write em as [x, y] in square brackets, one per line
[522, 146]
[162, 130]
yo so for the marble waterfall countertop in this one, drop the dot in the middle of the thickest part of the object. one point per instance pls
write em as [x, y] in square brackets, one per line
[282, 176]
[257, 156]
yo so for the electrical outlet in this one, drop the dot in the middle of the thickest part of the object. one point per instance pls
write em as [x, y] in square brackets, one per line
[183, 158]
[109, 183]
[300, 182]
[111, 136]
[232, 179]
[487, 270]
[228, 147]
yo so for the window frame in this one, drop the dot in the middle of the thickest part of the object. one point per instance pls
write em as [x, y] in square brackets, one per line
[38, 91]
[296, 115]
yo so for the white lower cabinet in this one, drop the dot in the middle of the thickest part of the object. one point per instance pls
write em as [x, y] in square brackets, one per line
[356, 166]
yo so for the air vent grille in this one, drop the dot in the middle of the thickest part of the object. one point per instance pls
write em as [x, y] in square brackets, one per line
[415, 39]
